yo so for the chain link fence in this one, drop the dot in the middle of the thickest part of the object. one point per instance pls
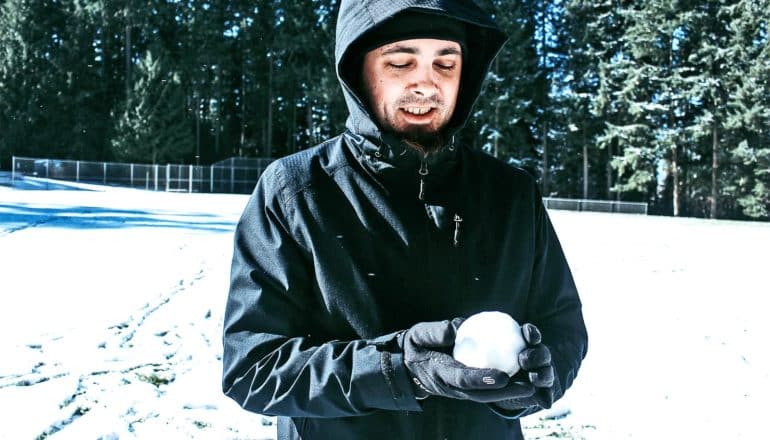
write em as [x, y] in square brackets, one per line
[595, 205]
[235, 175]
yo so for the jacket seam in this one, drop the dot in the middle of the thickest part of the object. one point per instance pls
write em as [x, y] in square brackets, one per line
[308, 185]
[288, 195]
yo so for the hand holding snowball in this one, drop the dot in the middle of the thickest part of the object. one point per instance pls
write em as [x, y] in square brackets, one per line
[490, 340]
[535, 361]
[536, 358]
[495, 340]
[426, 350]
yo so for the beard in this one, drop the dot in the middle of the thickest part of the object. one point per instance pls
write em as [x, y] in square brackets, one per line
[426, 139]
[423, 139]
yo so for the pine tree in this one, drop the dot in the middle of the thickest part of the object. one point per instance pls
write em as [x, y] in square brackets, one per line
[505, 116]
[584, 36]
[32, 111]
[606, 103]
[655, 42]
[713, 79]
[748, 116]
[17, 62]
[152, 126]
[624, 91]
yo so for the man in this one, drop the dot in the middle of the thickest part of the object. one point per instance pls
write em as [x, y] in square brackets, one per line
[354, 258]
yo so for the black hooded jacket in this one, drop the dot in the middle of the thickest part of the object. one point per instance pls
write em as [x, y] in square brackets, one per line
[345, 244]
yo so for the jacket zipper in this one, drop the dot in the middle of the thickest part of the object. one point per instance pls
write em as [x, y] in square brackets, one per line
[458, 220]
[423, 172]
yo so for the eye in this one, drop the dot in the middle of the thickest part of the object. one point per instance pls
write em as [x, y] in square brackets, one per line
[445, 66]
[398, 65]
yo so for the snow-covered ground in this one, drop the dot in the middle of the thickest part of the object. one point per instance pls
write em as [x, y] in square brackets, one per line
[113, 302]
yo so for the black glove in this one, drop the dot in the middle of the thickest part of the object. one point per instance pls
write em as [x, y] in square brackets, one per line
[535, 361]
[427, 350]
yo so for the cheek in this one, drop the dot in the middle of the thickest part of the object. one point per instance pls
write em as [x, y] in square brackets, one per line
[385, 94]
[451, 92]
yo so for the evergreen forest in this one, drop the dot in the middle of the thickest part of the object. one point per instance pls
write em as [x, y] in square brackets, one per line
[659, 101]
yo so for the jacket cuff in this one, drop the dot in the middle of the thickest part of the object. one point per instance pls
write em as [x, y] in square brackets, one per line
[398, 381]
[394, 372]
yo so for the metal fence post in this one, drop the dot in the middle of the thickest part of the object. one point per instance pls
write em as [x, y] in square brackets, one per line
[132, 175]
[77, 171]
[190, 176]
[168, 177]
[211, 178]
[155, 166]
[104, 175]
[13, 169]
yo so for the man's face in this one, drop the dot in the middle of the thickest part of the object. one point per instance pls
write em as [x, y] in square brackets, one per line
[412, 88]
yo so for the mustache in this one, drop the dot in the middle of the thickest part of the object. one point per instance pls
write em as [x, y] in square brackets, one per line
[433, 100]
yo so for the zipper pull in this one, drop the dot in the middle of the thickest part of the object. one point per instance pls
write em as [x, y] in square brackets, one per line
[423, 172]
[458, 220]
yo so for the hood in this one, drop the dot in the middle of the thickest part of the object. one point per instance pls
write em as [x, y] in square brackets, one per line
[359, 17]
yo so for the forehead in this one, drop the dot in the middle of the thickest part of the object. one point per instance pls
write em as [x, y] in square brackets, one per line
[420, 46]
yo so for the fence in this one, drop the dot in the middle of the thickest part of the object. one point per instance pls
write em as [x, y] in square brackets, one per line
[595, 205]
[235, 175]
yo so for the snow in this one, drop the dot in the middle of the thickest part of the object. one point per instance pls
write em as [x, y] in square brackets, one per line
[490, 339]
[113, 303]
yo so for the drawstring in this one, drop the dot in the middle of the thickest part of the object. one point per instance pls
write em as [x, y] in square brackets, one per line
[458, 220]
[423, 173]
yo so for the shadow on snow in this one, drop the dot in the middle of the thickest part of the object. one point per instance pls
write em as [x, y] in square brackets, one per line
[20, 216]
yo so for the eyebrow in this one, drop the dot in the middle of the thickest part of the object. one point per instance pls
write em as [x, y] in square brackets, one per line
[449, 51]
[414, 51]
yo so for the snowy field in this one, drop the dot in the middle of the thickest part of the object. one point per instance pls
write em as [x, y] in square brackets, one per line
[113, 302]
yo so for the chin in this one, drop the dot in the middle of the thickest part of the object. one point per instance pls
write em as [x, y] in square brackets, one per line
[425, 141]
[426, 138]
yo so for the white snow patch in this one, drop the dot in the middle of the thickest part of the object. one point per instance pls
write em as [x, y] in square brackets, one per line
[113, 302]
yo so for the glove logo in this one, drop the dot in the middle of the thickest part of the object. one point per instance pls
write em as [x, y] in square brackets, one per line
[488, 380]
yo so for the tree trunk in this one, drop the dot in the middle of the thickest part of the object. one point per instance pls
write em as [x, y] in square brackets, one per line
[497, 128]
[197, 130]
[242, 140]
[269, 146]
[310, 125]
[108, 97]
[543, 44]
[293, 122]
[545, 158]
[609, 170]
[496, 150]
[216, 138]
[714, 168]
[585, 164]
[128, 52]
[675, 178]
[309, 111]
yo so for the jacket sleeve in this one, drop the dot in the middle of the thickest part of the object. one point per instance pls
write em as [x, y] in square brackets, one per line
[272, 364]
[555, 308]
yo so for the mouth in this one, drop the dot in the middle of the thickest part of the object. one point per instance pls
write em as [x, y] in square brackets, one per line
[418, 113]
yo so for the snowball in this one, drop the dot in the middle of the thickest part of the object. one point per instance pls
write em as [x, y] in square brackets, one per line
[490, 340]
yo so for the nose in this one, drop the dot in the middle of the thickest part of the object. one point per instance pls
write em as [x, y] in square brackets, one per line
[423, 81]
